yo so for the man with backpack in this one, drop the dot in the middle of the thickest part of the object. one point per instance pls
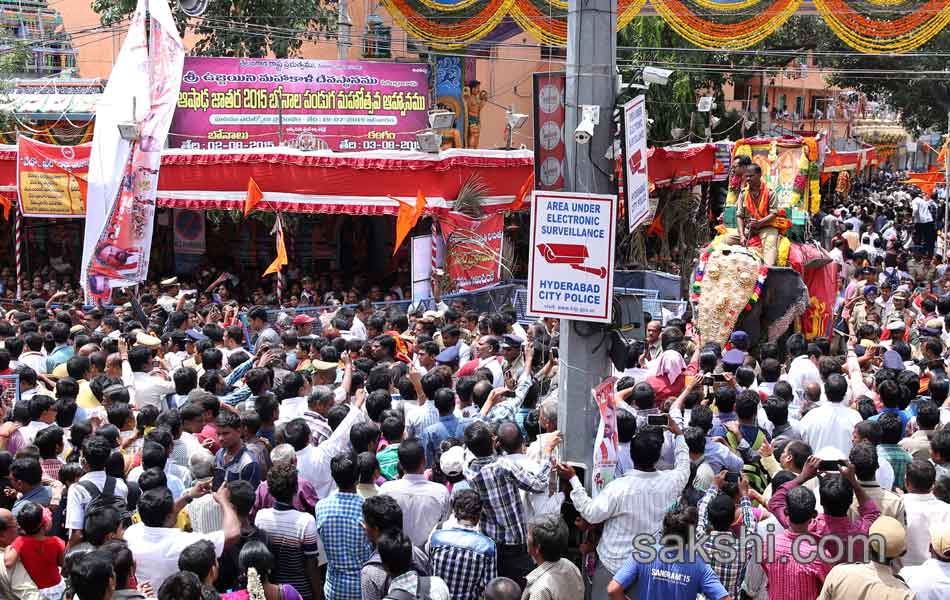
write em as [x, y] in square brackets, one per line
[747, 428]
[395, 551]
[94, 488]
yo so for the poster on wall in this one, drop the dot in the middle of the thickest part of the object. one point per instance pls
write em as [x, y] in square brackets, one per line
[241, 103]
[549, 118]
[422, 263]
[570, 269]
[473, 250]
[636, 185]
[50, 178]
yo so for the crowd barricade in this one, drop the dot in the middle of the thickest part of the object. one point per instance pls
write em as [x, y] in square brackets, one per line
[490, 299]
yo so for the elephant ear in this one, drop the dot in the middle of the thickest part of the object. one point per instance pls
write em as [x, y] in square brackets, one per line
[786, 300]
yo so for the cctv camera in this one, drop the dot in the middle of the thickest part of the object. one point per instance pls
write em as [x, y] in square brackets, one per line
[584, 131]
[656, 75]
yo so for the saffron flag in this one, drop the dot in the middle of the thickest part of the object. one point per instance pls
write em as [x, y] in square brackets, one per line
[407, 218]
[526, 188]
[281, 259]
[942, 157]
[254, 196]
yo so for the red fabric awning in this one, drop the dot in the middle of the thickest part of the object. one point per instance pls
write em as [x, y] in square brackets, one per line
[361, 183]
[681, 166]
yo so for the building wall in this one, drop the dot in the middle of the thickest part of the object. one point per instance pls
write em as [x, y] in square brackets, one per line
[505, 73]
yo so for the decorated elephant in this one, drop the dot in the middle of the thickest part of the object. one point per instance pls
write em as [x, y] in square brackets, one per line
[732, 289]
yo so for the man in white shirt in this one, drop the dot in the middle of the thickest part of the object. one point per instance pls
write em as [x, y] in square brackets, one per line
[313, 462]
[424, 503]
[95, 452]
[803, 369]
[924, 510]
[831, 423]
[156, 543]
[42, 415]
[364, 310]
[924, 232]
[931, 579]
[633, 504]
[150, 390]
[487, 348]
[32, 355]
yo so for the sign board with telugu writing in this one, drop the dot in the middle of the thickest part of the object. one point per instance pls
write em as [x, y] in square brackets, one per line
[570, 271]
[241, 103]
[636, 185]
[48, 178]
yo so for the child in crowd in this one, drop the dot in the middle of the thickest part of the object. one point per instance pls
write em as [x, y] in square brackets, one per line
[41, 555]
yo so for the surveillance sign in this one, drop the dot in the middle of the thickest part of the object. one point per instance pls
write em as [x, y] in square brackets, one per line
[636, 186]
[571, 256]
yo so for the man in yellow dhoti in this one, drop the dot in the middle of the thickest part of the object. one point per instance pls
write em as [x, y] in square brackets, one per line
[758, 218]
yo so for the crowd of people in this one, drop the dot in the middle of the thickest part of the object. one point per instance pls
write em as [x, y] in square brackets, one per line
[186, 446]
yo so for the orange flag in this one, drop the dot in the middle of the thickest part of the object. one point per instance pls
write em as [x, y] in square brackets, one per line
[281, 259]
[942, 157]
[407, 218]
[6, 205]
[254, 196]
[526, 189]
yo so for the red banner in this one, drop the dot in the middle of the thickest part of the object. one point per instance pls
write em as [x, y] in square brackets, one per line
[48, 178]
[472, 249]
[822, 290]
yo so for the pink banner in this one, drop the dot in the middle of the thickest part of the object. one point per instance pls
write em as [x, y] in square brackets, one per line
[236, 103]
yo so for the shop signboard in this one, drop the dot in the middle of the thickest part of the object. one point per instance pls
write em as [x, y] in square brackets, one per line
[246, 103]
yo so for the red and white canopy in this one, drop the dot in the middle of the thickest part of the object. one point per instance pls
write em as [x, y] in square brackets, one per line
[362, 183]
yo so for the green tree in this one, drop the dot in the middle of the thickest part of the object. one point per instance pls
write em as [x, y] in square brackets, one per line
[650, 41]
[917, 84]
[244, 28]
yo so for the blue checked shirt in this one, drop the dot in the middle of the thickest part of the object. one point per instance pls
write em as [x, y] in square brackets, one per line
[731, 573]
[339, 519]
[498, 481]
[465, 559]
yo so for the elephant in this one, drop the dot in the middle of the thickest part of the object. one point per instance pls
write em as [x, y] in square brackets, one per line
[783, 300]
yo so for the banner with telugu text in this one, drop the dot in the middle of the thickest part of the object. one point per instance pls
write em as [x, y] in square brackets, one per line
[473, 249]
[48, 178]
[123, 176]
[238, 103]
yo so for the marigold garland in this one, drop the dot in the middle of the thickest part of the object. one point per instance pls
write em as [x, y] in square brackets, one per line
[712, 35]
[451, 26]
[897, 36]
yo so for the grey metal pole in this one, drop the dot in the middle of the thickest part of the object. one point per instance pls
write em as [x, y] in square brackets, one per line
[591, 80]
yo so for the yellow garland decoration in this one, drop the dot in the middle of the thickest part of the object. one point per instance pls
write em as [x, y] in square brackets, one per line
[678, 17]
[628, 14]
[784, 246]
[732, 6]
[773, 151]
[712, 41]
[871, 45]
[814, 195]
[455, 42]
[743, 150]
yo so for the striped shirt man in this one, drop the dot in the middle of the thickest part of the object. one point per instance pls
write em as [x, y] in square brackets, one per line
[293, 539]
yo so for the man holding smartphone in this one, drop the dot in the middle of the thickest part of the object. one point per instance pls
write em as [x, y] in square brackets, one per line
[633, 504]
